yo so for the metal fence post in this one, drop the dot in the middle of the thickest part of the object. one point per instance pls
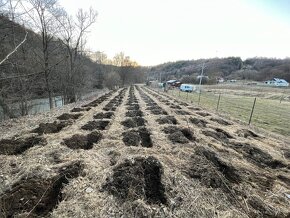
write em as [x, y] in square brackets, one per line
[218, 103]
[191, 99]
[186, 96]
[252, 111]
[179, 93]
[281, 99]
[199, 96]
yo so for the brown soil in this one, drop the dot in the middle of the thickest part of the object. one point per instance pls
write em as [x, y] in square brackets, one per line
[102, 115]
[141, 178]
[133, 107]
[170, 129]
[145, 137]
[194, 108]
[218, 134]
[211, 170]
[203, 114]
[175, 107]
[257, 156]
[99, 100]
[134, 113]
[18, 146]
[286, 153]
[198, 122]
[167, 120]
[183, 104]
[221, 121]
[138, 137]
[83, 141]
[154, 107]
[247, 133]
[179, 135]
[35, 196]
[159, 112]
[99, 125]
[182, 112]
[131, 138]
[67, 116]
[214, 172]
[47, 128]
[133, 122]
[114, 156]
[106, 108]
[80, 109]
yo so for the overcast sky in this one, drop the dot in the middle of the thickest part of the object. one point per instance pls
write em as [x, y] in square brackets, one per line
[156, 31]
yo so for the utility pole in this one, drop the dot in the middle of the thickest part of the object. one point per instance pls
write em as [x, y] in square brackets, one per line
[201, 76]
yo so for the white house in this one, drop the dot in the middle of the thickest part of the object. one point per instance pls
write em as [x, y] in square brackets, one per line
[277, 82]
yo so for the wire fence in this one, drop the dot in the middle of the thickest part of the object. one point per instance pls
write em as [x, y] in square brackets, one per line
[269, 114]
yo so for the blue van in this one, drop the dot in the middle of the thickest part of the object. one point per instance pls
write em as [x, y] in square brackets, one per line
[186, 88]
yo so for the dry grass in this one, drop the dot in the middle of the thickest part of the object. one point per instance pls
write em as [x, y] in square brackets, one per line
[269, 113]
[85, 195]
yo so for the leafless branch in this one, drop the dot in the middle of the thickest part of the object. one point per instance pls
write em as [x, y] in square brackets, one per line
[15, 49]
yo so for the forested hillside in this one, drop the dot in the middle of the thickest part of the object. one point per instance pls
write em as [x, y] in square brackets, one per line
[258, 69]
[43, 54]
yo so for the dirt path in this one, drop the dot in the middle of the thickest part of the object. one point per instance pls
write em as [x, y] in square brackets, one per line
[138, 153]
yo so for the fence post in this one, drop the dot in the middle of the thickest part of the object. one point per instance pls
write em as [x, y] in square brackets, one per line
[199, 96]
[179, 93]
[191, 98]
[218, 103]
[252, 111]
[281, 99]
[186, 96]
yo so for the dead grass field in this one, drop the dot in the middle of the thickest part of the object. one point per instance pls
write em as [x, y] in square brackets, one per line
[138, 153]
[260, 91]
[269, 113]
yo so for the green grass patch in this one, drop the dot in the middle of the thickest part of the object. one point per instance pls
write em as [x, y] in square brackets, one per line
[269, 114]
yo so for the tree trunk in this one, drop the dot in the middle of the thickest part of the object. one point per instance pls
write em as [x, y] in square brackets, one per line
[6, 109]
[49, 92]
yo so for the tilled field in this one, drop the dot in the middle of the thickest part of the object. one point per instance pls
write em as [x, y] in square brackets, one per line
[139, 153]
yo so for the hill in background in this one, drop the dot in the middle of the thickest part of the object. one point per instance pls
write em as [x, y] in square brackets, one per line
[257, 69]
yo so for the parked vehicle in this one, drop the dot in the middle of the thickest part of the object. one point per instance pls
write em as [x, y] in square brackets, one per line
[187, 88]
[173, 83]
[277, 82]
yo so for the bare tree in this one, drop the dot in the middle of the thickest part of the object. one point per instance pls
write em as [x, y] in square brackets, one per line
[73, 37]
[100, 58]
[10, 11]
[14, 50]
[39, 54]
[3, 3]
[112, 80]
[126, 67]
[14, 42]
[44, 15]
